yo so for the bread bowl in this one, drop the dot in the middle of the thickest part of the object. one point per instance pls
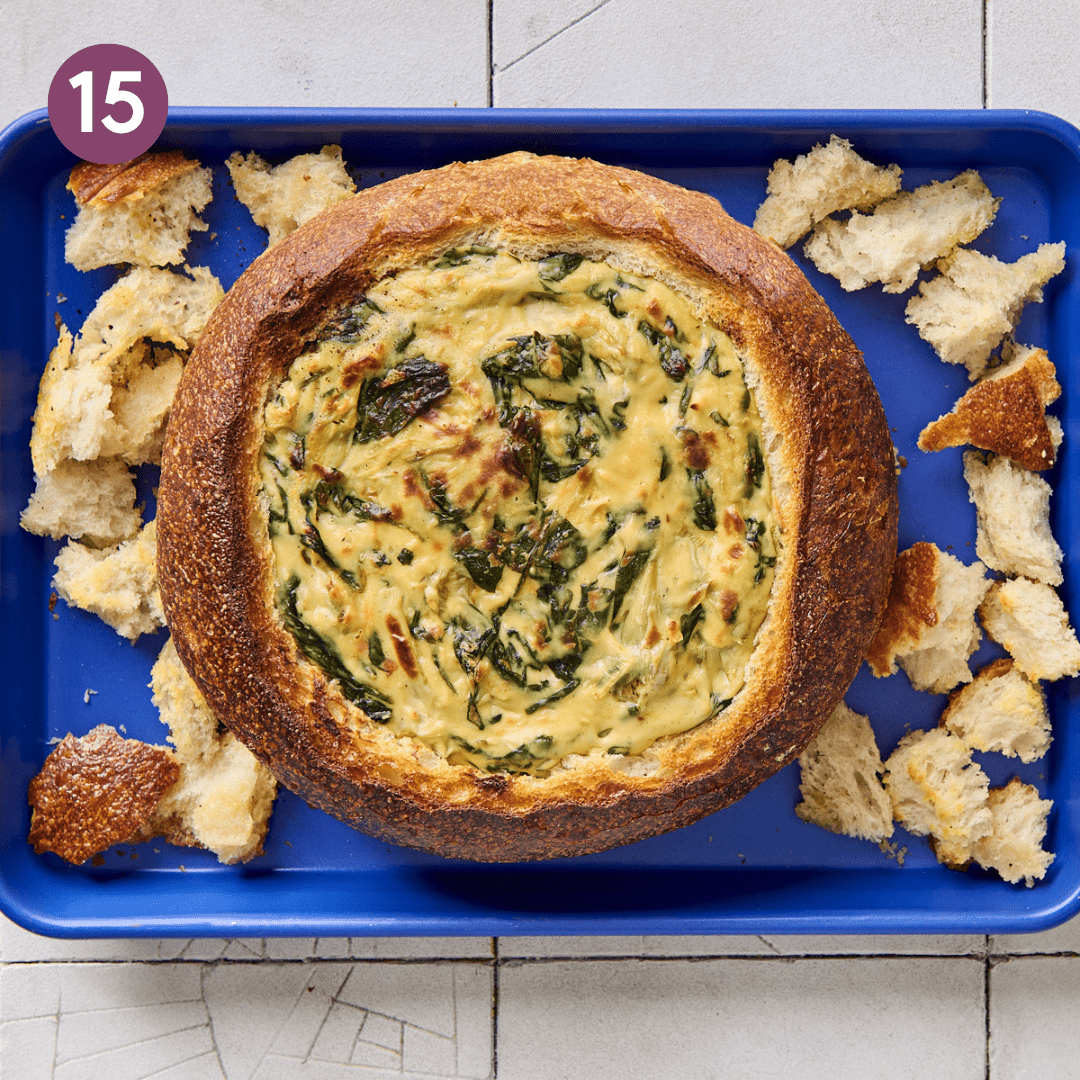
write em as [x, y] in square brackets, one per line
[823, 463]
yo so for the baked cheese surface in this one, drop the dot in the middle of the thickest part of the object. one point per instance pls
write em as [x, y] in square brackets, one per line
[521, 510]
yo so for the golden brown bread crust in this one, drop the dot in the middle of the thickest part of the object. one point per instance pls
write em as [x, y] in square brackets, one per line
[911, 610]
[832, 473]
[96, 791]
[1006, 415]
[127, 180]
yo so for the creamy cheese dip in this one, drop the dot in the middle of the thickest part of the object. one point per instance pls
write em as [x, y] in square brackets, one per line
[520, 510]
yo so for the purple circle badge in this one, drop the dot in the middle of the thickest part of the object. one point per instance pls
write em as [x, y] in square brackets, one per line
[108, 103]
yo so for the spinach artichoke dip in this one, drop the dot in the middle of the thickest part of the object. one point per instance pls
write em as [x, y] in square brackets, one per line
[520, 510]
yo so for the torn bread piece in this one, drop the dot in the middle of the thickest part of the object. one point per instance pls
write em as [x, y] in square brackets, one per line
[966, 310]
[140, 406]
[841, 779]
[74, 407]
[140, 212]
[903, 234]
[1029, 620]
[1012, 507]
[1005, 413]
[161, 305]
[102, 184]
[1014, 845]
[282, 197]
[96, 791]
[929, 625]
[1001, 711]
[92, 501]
[118, 584]
[936, 790]
[224, 796]
[828, 178]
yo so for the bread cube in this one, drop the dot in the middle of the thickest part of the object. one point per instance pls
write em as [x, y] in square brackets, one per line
[966, 310]
[224, 796]
[282, 197]
[92, 501]
[118, 584]
[1000, 711]
[1012, 507]
[1030, 621]
[841, 779]
[903, 234]
[1005, 413]
[140, 212]
[936, 790]
[1014, 845]
[929, 625]
[827, 179]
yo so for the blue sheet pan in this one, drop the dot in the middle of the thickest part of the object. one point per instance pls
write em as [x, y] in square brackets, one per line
[753, 868]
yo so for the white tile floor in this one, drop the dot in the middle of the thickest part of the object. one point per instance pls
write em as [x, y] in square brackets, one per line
[536, 1008]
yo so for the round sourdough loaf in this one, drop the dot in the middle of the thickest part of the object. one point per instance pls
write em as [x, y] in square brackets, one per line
[825, 441]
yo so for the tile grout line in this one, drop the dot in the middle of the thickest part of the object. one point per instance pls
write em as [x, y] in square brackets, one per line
[56, 1030]
[495, 1008]
[366, 1015]
[985, 54]
[457, 1025]
[769, 958]
[986, 1004]
[772, 957]
[490, 54]
[400, 961]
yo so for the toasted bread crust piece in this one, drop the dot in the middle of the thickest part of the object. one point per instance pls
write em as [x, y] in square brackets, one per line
[929, 624]
[830, 456]
[911, 610]
[96, 185]
[96, 791]
[1005, 413]
[141, 212]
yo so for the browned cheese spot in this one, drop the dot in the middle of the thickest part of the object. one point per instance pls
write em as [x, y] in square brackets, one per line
[402, 647]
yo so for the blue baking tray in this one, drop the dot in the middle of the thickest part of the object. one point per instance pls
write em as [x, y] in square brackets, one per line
[753, 868]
